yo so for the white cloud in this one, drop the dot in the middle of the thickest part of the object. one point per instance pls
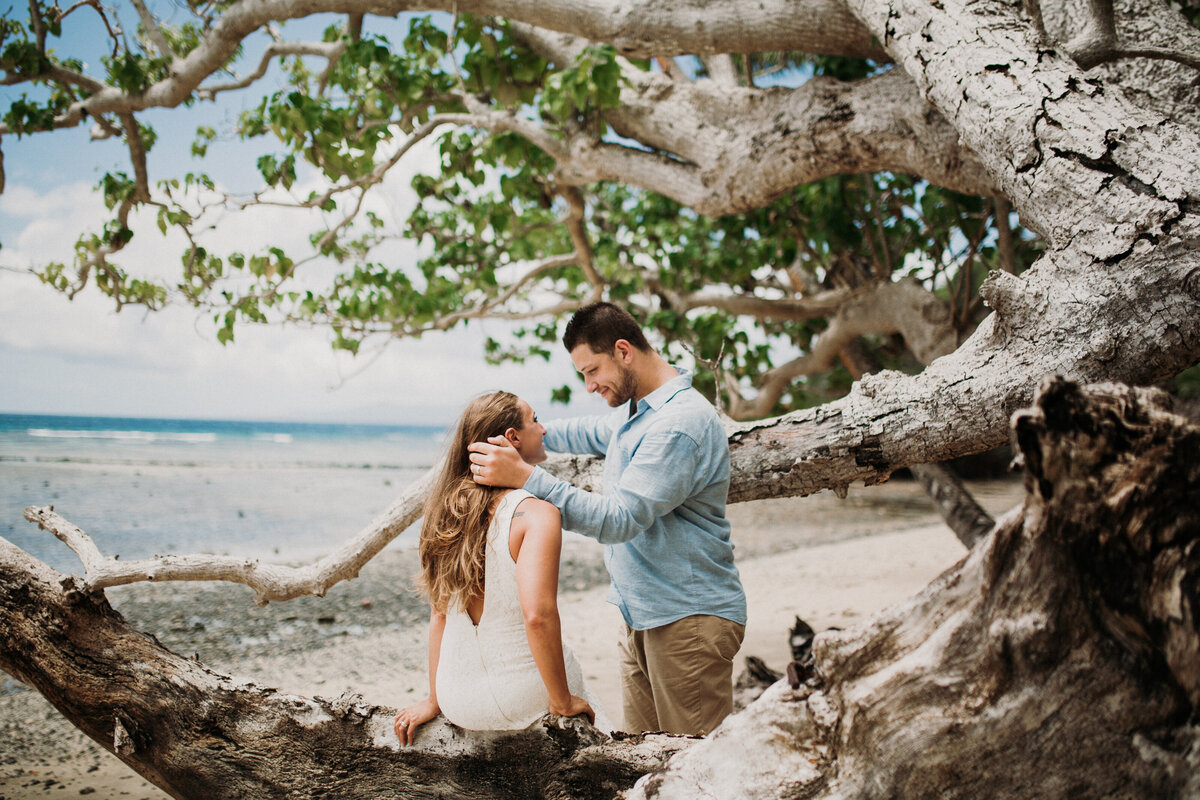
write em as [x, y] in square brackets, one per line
[82, 357]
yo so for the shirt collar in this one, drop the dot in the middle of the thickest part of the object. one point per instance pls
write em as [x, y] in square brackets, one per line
[658, 398]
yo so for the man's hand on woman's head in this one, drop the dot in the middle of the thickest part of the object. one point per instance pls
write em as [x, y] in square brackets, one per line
[497, 463]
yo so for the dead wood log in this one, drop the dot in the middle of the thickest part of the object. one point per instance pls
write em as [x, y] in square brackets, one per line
[199, 734]
[1060, 658]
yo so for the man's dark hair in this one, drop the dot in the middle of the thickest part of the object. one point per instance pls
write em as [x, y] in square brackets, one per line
[600, 325]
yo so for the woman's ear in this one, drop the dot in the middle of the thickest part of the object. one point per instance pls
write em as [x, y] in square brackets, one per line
[513, 437]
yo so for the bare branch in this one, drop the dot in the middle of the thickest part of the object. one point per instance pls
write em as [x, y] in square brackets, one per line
[489, 309]
[329, 50]
[137, 156]
[580, 256]
[39, 27]
[269, 581]
[507, 121]
[153, 31]
[903, 307]
[784, 308]
[671, 68]
[1189, 59]
[1005, 248]
[1098, 37]
[353, 30]
[1098, 42]
[721, 69]
[577, 227]
[274, 582]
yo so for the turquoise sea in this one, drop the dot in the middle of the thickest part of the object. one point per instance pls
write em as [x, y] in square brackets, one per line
[279, 491]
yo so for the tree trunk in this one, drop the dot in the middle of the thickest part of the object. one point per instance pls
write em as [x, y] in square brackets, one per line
[198, 734]
[954, 503]
[1061, 658]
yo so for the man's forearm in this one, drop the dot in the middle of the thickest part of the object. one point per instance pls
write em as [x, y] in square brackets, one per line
[601, 517]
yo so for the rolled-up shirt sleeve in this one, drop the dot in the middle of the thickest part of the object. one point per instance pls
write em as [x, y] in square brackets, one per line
[660, 476]
[588, 436]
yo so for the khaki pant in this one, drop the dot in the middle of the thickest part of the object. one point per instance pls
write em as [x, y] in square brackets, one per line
[679, 677]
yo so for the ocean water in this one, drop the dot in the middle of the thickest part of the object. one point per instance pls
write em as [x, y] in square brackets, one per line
[279, 491]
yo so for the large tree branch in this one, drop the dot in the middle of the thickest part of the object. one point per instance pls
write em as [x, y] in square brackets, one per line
[815, 306]
[1065, 317]
[969, 521]
[641, 30]
[732, 149]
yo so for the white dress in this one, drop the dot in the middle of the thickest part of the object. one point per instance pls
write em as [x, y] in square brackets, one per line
[486, 676]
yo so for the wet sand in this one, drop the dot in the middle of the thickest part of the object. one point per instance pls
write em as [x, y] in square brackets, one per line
[833, 562]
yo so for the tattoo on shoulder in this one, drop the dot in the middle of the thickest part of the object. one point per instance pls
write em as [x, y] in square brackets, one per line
[518, 514]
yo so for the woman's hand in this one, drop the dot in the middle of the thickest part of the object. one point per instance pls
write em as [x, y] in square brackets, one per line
[573, 708]
[408, 720]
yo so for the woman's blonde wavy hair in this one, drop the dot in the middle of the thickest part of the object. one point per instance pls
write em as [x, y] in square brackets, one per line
[454, 533]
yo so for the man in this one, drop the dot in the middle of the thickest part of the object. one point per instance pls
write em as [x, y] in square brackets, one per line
[661, 517]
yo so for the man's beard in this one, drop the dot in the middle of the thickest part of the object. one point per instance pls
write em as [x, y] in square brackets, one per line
[625, 389]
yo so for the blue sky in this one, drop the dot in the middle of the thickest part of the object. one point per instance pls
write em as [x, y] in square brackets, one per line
[81, 357]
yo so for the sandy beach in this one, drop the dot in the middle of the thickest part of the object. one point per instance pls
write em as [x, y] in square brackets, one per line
[832, 562]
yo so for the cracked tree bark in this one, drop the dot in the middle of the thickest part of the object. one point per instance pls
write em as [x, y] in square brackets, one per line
[1061, 658]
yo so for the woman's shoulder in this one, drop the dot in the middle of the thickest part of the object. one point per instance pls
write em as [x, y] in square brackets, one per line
[531, 506]
[533, 519]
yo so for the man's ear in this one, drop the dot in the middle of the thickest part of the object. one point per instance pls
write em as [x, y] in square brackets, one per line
[623, 351]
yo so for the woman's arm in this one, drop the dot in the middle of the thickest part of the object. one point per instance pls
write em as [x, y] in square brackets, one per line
[536, 535]
[409, 719]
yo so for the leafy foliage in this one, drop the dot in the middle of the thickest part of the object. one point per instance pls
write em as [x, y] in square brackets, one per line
[501, 235]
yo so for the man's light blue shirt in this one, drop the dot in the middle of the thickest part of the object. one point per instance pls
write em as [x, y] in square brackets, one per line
[662, 513]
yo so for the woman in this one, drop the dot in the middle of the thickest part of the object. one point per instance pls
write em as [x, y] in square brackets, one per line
[489, 564]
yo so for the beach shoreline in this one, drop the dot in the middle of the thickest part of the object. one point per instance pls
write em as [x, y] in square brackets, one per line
[832, 562]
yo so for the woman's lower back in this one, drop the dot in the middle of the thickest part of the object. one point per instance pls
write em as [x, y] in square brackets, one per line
[487, 679]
